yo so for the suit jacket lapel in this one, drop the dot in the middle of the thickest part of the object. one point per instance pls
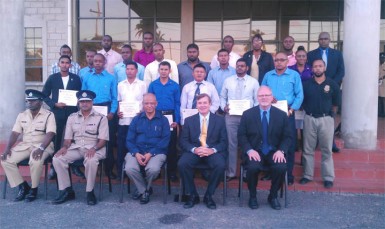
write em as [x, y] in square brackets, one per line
[60, 81]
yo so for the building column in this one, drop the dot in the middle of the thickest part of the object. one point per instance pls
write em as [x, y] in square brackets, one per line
[187, 25]
[12, 70]
[360, 85]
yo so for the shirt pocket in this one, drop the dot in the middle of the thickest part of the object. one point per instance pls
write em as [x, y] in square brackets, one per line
[91, 129]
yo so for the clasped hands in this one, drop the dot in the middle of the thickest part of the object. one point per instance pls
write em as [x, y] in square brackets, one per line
[203, 151]
[143, 159]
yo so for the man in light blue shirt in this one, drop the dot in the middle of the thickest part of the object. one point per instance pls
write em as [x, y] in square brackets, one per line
[286, 85]
[120, 68]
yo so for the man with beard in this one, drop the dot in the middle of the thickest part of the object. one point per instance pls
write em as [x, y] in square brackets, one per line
[321, 99]
[185, 68]
[111, 56]
[288, 44]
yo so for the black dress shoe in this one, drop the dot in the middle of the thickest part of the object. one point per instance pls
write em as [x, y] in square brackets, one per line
[266, 177]
[335, 149]
[64, 195]
[253, 203]
[145, 198]
[304, 181]
[191, 201]
[31, 196]
[76, 170]
[91, 199]
[52, 174]
[328, 184]
[23, 191]
[274, 203]
[136, 195]
[208, 200]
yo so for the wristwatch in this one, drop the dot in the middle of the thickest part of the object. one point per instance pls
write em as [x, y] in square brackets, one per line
[95, 148]
[41, 148]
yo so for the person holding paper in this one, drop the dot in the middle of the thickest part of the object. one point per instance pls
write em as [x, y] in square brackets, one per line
[203, 140]
[167, 94]
[239, 87]
[147, 141]
[264, 136]
[286, 85]
[130, 91]
[63, 80]
[105, 87]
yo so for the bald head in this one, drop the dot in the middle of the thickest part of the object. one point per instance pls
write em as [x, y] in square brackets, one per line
[324, 39]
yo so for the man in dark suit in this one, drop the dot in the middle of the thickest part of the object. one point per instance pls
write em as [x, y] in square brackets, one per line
[203, 139]
[64, 80]
[264, 136]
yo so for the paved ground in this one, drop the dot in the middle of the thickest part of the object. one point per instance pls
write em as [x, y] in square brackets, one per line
[306, 210]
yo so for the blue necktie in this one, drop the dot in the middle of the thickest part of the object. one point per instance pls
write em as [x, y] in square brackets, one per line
[265, 132]
[197, 92]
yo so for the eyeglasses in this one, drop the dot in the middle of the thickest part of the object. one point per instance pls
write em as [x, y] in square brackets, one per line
[280, 60]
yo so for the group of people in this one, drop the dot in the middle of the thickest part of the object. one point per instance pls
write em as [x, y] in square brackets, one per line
[143, 103]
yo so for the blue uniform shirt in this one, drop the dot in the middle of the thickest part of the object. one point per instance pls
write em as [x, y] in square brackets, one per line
[287, 86]
[120, 72]
[105, 87]
[145, 135]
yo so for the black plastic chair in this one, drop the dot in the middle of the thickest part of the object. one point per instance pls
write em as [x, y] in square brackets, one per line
[166, 183]
[204, 166]
[264, 169]
[26, 163]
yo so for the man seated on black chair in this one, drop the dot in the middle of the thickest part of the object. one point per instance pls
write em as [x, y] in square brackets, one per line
[264, 136]
[85, 137]
[147, 142]
[203, 140]
[37, 126]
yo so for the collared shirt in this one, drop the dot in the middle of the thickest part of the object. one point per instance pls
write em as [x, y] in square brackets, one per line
[85, 71]
[185, 72]
[131, 92]
[34, 129]
[75, 68]
[229, 90]
[320, 98]
[188, 94]
[86, 131]
[306, 74]
[287, 86]
[168, 96]
[144, 58]
[104, 86]
[112, 58]
[151, 72]
[148, 135]
[217, 76]
[267, 114]
[232, 61]
[120, 72]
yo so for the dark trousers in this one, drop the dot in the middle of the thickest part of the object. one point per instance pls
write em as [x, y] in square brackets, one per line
[122, 149]
[292, 147]
[277, 172]
[60, 125]
[187, 163]
[172, 154]
[110, 161]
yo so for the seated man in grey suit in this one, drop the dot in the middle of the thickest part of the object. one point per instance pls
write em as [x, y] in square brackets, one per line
[203, 139]
[147, 143]
[264, 136]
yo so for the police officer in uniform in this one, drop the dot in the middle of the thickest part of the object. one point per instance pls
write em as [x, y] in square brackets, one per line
[37, 126]
[85, 137]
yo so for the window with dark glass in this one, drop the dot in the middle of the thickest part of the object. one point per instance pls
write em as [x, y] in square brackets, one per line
[33, 54]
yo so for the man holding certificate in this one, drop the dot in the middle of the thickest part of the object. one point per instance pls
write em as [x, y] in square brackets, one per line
[60, 91]
[167, 94]
[286, 85]
[239, 93]
[130, 97]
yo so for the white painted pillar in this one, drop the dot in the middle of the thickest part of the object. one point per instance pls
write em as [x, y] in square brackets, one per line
[360, 84]
[12, 70]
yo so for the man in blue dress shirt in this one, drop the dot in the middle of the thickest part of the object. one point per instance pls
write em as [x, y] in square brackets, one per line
[120, 68]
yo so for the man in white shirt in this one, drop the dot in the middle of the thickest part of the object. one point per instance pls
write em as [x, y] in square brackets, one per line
[198, 86]
[237, 87]
[112, 56]
[227, 43]
[129, 90]
[151, 72]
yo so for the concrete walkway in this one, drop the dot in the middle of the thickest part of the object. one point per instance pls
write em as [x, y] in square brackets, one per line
[306, 210]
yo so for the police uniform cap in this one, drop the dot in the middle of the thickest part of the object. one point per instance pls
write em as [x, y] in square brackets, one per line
[34, 94]
[85, 95]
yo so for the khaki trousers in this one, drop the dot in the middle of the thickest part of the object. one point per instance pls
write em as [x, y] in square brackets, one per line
[232, 124]
[321, 131]
[90, 164]
[12, 171]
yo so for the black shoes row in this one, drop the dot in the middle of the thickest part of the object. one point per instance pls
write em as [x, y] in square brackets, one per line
[274, 203]
[194, 199]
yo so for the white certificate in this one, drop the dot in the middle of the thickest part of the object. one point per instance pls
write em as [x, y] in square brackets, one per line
[101, 109]
[282, 105]
[170, 120]
[299, 115]
[185, 113]
[129, 109]
[237, 107]
[68, 97]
